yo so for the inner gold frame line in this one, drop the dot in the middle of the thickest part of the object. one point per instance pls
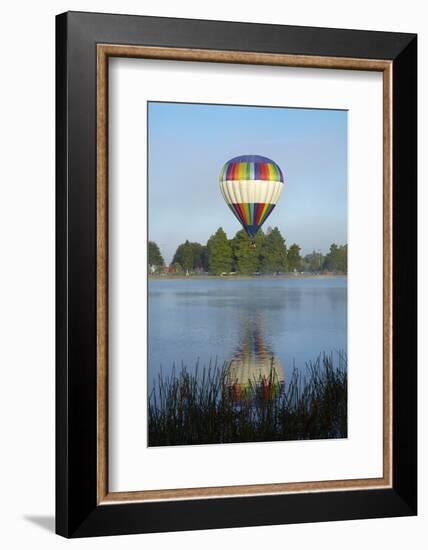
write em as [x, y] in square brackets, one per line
[104, 52]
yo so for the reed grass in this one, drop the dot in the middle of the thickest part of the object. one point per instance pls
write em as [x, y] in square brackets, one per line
[198, 407]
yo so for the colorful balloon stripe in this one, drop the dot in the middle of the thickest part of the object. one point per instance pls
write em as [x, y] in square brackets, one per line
[252, 214]
[251, 171]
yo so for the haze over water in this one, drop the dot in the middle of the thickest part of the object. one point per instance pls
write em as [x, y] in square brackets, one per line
[290, 319]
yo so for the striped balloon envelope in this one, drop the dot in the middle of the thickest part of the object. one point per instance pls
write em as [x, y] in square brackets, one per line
[251, 186]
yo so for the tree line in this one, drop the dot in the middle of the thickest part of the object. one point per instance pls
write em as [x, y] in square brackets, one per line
[269, 255]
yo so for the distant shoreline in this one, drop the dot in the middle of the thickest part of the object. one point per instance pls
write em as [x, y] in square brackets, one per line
[244, 277]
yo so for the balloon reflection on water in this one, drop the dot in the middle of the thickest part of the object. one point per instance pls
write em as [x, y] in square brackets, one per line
[254, 373]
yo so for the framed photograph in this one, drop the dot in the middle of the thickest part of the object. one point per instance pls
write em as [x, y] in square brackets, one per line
[236, 274]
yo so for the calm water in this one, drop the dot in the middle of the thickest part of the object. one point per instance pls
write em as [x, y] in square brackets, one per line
[248, 321]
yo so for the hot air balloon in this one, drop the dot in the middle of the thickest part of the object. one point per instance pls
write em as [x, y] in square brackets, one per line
[251, 186]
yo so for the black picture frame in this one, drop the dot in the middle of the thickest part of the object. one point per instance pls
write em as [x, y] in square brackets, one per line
[77, 511]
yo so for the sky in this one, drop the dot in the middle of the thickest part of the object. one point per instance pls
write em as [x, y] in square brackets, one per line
[188, 144]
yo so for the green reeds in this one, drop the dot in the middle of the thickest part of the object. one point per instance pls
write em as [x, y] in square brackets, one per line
[200, 407]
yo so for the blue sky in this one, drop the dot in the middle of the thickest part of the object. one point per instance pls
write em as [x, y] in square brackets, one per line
[189, 144]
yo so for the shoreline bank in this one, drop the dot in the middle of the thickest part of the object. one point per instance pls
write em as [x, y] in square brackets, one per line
[243, 277]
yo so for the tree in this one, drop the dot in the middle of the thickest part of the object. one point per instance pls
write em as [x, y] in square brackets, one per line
[198, 252]
[176, 268]
[204, 258]
[273, 254]
[343, 259]
[190, 256]
[154, 256]
[246, 256]
[313, 262]
[294, 259]
[337, 258]
[219, 253]
[184, 256]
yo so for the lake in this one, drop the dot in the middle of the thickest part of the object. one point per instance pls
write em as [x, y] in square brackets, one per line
[248, 321]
